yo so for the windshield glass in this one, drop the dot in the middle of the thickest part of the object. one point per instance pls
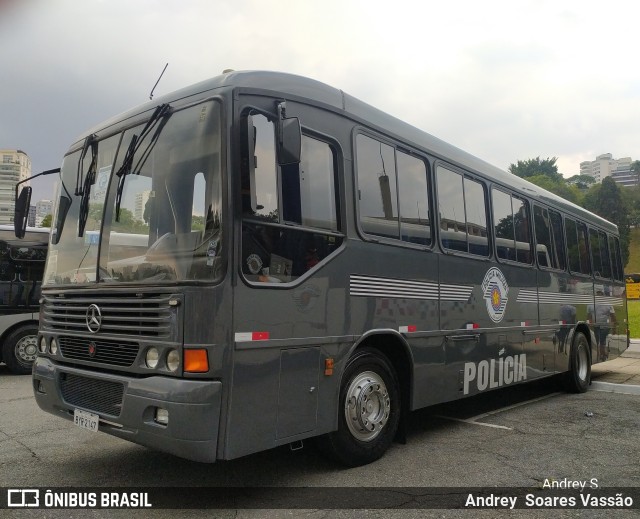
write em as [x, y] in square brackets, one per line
[169, 221]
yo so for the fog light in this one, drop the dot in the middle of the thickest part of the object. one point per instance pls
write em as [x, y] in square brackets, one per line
[42, 346]
[53, 347]
[173, 360]
[152, 358]
[162, 416]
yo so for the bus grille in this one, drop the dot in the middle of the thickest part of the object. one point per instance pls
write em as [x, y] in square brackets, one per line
[116, 353]
[100, 396]
[143, 315]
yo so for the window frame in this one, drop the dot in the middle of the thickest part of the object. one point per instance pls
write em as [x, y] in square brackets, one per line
[485, 187]
[535, 237]
[286, 225]
[533, 262]
[397, 146]
[577, 222]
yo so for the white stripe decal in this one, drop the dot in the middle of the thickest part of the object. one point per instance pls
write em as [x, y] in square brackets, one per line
[531, 296]
[369, 286]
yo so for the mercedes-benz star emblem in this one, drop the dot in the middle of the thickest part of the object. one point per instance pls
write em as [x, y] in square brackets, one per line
[93, 318]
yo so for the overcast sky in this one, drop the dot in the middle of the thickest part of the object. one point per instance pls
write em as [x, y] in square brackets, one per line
[505, 80]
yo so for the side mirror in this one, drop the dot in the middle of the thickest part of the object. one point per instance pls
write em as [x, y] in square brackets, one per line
[289, 141]
[61, 216]
[21, 211]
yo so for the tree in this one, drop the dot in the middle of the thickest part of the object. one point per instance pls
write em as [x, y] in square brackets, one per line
[534, 167]
[46, 221]
[607, 200]
[581, 181]
[558, 187]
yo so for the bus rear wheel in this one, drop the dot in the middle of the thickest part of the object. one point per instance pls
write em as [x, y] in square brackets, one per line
[369, 410]
[20, 349]
[578, 377]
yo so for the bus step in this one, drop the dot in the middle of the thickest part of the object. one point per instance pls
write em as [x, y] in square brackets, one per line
[296, 446]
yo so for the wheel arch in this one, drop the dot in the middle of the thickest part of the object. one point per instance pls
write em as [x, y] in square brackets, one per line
[395, 348]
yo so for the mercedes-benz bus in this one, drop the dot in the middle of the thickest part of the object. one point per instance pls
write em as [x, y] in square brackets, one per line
[300, 264]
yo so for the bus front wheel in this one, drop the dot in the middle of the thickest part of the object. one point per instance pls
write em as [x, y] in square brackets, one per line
[20, 349]
[578, 377]
[369, 410]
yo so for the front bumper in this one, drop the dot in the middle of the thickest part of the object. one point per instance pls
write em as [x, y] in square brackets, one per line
[193, 405]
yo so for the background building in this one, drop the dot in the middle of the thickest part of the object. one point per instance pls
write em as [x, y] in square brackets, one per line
[15, 166]
[606, 166]
[43, 208]
[141, 201]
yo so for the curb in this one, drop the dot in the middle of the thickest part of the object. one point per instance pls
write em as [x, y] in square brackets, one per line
[608, 387]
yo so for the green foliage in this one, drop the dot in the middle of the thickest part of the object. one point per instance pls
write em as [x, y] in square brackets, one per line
[46, 221]
[534, 167]
[634, 253]
[557, 186]
[607, 200]
[581, 181]
[633, 306]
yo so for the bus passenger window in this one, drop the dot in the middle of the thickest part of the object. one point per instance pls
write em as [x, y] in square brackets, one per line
[549, 241]
[511, 221]
[577, 247]
[463, 213]
[600, 254]
[414, 201]
[377, 193]
[616, 259]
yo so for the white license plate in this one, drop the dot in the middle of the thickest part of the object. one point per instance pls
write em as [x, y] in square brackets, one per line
[86, 420]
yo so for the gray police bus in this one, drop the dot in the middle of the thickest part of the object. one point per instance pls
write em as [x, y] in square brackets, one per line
[260, 258]
[21, 270]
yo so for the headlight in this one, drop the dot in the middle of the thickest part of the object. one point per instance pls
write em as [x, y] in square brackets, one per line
[42, 346]
[173, 360]
[152, 358]
[53, 346]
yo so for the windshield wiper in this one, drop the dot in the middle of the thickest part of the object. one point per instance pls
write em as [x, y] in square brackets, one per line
[89, 180]
[159, 118]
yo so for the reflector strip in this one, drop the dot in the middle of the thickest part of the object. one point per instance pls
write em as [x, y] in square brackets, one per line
[251, 336]
[408, 329]
[472, 326]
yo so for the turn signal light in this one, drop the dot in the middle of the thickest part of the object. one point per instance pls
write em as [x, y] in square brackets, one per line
[196, 361]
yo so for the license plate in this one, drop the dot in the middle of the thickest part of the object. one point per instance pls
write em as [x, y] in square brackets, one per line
[86, 420]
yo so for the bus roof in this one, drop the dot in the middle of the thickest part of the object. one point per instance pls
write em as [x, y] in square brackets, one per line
[299, 88]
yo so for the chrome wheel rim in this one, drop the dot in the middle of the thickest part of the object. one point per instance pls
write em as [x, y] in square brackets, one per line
[367, 406]
[27, 349]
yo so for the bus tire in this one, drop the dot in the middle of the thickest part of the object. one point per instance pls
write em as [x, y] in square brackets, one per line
[369, 410]
[578, 378]
[20, 349]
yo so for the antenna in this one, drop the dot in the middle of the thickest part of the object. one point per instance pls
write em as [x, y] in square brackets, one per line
[154, 86]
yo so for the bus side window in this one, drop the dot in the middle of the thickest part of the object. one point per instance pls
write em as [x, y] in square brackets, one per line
[463, 213]
[511, 221]
[549, 238]
[616, 262]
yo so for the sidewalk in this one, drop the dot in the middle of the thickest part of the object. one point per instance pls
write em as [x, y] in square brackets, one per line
[622, 370]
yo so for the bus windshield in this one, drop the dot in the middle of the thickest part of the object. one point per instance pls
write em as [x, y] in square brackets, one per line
[169, 221]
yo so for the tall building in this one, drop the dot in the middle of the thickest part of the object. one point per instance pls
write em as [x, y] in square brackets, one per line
[604, 166]
[140, 202]
[43, 208]
[15, 166]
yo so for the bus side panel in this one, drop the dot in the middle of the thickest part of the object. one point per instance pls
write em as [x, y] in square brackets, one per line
[484, 338]
[396, 289]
